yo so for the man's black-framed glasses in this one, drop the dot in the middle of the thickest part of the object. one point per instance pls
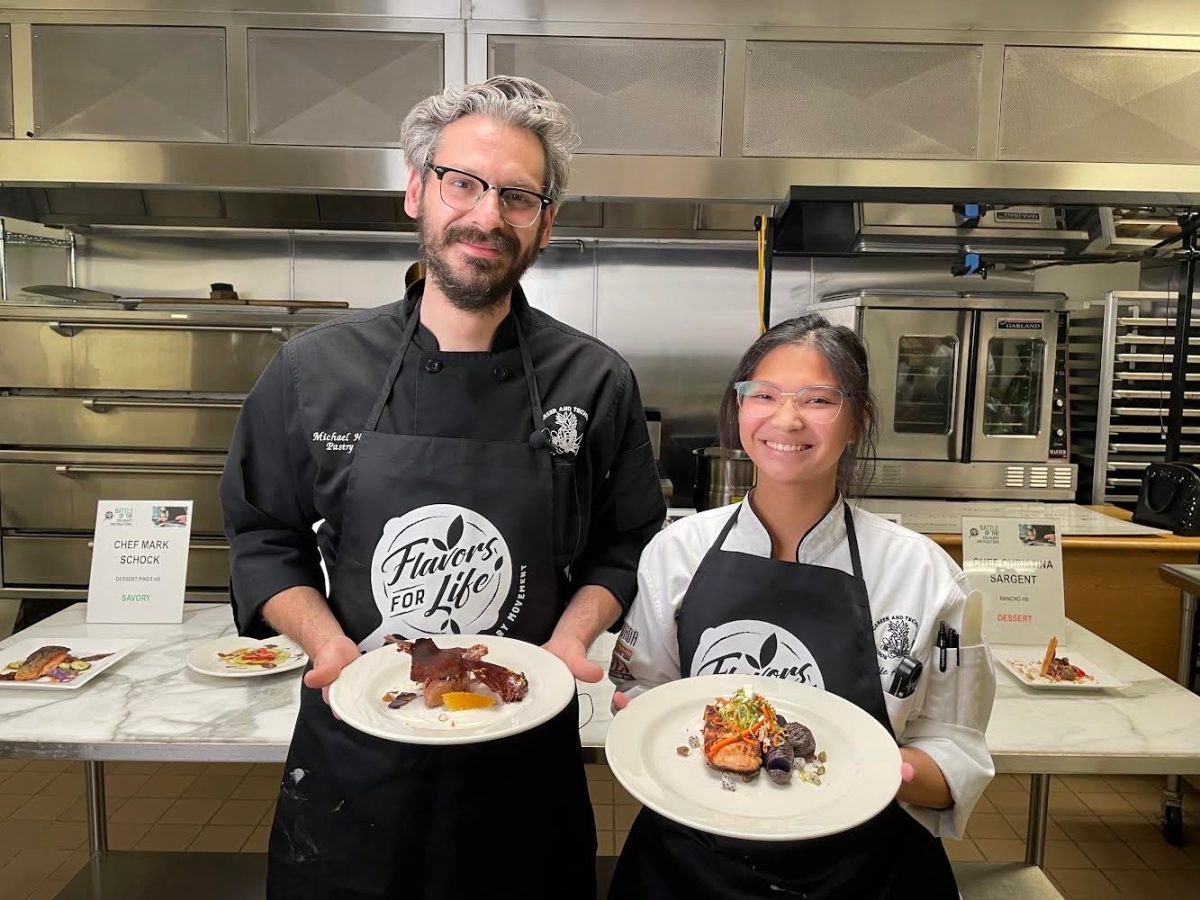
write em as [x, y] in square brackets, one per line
[461, 190]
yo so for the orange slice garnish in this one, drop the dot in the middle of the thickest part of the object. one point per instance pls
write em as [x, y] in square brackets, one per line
[456, 700]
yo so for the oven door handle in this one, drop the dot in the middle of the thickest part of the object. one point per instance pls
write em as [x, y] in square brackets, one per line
[70, 471]
[103, 404]
[70, 329]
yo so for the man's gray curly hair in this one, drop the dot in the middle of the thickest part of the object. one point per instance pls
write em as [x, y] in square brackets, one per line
[505, 98]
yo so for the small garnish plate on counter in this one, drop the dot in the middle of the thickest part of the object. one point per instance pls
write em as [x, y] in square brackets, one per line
[238, 657]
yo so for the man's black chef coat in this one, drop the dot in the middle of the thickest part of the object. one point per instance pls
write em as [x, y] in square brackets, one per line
[294, 440]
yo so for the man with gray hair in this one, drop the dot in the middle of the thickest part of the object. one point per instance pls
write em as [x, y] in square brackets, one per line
[476, 467]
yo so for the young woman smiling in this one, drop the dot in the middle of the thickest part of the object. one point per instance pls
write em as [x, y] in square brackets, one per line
[836, 597]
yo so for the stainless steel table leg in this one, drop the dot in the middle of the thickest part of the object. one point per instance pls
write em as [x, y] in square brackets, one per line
[1039, 811]
[1172, 796]
[97, 820]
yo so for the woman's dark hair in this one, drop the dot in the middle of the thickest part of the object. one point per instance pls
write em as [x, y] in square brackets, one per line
[847, 357]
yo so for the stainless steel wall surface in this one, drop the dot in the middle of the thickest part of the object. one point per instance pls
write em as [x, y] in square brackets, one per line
[681, 314]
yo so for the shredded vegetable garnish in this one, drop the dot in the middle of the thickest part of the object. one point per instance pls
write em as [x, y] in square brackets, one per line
[267, 656]
[747, 713]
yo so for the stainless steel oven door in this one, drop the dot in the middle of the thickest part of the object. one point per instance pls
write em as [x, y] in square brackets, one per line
[1013, 385]
[918, 373]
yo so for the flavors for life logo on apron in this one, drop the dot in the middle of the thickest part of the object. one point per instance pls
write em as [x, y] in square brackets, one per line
[751, 647]
[441, 569]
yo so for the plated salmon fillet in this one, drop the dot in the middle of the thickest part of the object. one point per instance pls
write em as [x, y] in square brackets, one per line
[40, 662]
[740, 757]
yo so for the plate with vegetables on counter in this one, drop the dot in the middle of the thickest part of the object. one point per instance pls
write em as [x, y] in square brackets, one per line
[239, 657]
[59, 663]
[753, 757]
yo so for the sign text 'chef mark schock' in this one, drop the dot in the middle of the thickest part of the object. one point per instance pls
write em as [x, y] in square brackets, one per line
[139, 561]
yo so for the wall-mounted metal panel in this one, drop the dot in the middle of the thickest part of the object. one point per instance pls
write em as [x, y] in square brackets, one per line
[1162, 17]
[916, 101]
[135, 83]
[1100, 105]
[338, 88]
[628, 95]
[6, 106]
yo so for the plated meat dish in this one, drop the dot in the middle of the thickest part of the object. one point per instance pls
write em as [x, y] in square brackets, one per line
[446, 676]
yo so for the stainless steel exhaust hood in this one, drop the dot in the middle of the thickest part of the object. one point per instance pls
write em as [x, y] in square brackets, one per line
[694, 117]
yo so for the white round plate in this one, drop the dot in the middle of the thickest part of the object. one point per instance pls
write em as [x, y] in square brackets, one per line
[357, 695]
[862, 771]
[204, 659]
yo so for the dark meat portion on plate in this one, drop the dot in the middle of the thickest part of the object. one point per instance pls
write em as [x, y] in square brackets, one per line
[508, 685]
[429, 661]
[442, 670]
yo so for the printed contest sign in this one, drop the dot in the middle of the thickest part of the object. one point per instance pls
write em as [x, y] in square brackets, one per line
[1017, 564]
[139, 561]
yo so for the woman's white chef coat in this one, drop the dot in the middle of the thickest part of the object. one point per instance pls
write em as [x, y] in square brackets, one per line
[912, 585]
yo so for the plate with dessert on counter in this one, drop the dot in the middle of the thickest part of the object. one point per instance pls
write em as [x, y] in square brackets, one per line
[1055, 668]
[451, 689]
[754, 758]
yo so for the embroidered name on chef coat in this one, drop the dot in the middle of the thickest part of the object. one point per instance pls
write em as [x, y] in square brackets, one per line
[336, 441]
[751, 647]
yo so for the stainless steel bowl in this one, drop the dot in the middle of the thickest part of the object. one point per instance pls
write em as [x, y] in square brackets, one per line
[722, 476]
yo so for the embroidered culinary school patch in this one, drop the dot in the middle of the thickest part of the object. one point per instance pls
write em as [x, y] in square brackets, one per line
[565, 425]
[894, 636]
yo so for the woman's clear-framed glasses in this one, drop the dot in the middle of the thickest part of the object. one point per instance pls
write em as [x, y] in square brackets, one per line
[818, 403]
[461, 190]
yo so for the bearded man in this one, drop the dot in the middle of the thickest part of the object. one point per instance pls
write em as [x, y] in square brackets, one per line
[456, 426]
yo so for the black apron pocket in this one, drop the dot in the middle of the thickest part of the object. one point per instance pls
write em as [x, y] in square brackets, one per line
[568, 526]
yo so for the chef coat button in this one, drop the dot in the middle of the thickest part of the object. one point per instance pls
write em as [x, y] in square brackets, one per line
[433, 366]
[500, 372]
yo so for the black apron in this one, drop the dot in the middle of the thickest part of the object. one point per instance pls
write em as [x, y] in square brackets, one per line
[439, 536]
[810, 624]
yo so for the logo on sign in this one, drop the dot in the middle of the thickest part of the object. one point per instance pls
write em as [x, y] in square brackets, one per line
[121, 516]
[1019, 325]
[750, 647]
[441, 569]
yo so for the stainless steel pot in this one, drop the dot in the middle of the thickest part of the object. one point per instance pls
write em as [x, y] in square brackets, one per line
[722, 476]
